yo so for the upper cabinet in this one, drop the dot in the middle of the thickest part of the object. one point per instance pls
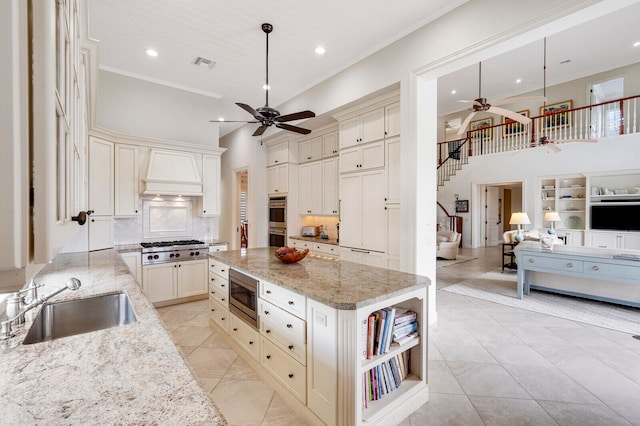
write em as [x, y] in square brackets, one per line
[278, 179]
[209, 204]
[310, 150]
[364, 128]
[392, 119]
[278, 153]
[126, 180]
[101, 177]
[323, 145]
[330, 144]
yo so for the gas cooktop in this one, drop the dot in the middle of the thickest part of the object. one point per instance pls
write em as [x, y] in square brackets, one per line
[173, 243]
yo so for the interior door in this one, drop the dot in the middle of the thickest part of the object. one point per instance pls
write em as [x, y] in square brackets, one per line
[492, 221]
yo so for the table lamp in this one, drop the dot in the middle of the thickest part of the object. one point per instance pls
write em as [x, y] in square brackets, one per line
[519, 218]
[552, 217]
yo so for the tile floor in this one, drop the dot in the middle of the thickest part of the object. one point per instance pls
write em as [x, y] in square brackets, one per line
[489, 364]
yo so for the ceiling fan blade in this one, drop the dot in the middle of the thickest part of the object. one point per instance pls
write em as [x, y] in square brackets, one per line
[519, 99]
[231, 121]
[260, 130]
[577, 140]
[510, 114]
[291, 128]
[553, 147]
[295, 116]
[463, 126]
[470, 102]
[250, 110]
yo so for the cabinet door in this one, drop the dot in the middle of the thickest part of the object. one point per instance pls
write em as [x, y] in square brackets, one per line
[373, 213]
[392, 120]
[630, 241]
[604, 239]
[304, 189]
[304, 151]
[278, 154]
[316, 185]
[349, 132]
[330, 184]
[393, 229]
[350, 160]
[159, 282]
[282, 178]
[101, 179]
[192, 277]
[100, 232]
[351, 210]
[126, 180]
[330, 145]
[210, 203]
[315, 152]
[372, 126]
[372, 156]
[393, 171]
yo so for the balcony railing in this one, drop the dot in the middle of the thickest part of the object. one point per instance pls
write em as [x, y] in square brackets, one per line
[619, 117]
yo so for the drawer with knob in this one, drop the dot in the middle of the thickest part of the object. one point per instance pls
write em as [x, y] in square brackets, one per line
[219, 314]
[287, 331]
[219, 268]
[289, 373]
[559, 264]
[286, 299]
[607, 270]
[245, 335]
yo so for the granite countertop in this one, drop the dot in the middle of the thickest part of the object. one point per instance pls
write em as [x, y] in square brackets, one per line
[339, 284]
[132, 374]
[331, 241]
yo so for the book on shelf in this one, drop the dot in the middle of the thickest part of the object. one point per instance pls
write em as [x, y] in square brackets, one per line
[387, 328]
[379, 331]
[404, 329]
[403, 316]
[385, 377]
[370, 328]
[388, 331]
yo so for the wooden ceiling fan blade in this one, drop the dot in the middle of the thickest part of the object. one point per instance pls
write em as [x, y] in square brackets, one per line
[250, 110]
[295, 116]
[260, 130]
[465, 123]
[510, 114]
[291, 128]
[553, 147]
[519, 99]
[232, 121]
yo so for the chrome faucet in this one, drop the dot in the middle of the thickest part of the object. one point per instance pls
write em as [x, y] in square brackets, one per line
[17, 306]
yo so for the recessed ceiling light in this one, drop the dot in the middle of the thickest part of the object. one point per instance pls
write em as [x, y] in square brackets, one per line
[151, 52]
[454, 91]
[519, 80]
[220, 118]
[320, 50]
[266, 87]
[636, 44]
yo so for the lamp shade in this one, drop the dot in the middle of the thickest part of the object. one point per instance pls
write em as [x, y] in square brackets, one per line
[519, 218]
[552, 217]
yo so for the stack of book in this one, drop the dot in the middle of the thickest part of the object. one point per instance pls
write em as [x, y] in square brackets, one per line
[385, 377]
[387, 328]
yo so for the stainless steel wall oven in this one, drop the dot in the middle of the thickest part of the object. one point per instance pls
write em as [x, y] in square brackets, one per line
[278, 212]
[243, 297]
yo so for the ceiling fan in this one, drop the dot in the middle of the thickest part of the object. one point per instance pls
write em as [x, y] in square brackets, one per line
[480, 104]
[544, 140]
[266, 115]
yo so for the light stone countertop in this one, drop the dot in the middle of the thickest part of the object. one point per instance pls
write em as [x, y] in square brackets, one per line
[339, 284]
[132, 374]
[330, 241]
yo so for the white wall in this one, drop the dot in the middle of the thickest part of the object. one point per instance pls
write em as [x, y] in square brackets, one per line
[139, 108]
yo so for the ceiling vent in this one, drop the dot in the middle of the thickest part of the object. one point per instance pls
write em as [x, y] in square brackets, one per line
[200, 61]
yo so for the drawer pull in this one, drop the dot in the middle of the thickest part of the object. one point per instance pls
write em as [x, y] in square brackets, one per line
[290, 302]
[595, 268]
[221, 285]
[531, 260]
[221, 270]
[291, 375]
[222, 318]
[268, 292]
[222, 299]
[289, 326]
[291, 347]
[213, 310]
[251, 342]
[569, 265]
[268, 356]
[235, 329]
[266, 312]
[268, 331]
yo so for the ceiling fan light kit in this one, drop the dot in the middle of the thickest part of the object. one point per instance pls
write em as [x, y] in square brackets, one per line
[266, 115]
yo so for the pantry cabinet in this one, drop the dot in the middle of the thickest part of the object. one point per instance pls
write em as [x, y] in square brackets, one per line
[127, 198]
[101, 177]
[209, 203]
[330, 186]
[310, 188]
[362, 224]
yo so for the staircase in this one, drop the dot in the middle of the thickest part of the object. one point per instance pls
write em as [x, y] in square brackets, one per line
[451, 157]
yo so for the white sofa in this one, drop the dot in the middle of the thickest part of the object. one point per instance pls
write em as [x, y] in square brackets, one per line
[448, 243]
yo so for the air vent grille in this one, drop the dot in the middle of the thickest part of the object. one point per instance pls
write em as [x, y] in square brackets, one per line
[200, 61]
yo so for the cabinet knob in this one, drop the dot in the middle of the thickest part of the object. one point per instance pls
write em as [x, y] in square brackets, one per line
[268, 292]
[251, 342]
[136, 211]
[290, 302]
[213, 310]
[531, 261]
[235, 329]
[595, 268]
[290, 346]
[268, 331]
[204, 211]
[222, 319]
[569, 265]
[268, 356]
[266, 312]
[291, 375]
[289, 326]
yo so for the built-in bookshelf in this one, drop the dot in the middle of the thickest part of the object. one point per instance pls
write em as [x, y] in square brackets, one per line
[568, 197]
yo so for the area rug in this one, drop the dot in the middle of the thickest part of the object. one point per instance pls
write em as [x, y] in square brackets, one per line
[440, 263]
[501, 288]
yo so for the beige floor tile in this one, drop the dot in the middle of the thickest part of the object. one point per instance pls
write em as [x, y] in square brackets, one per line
[441, 379]
[596, 414]
[200, 320]
[486, 380]
[190, 335]
[280, 414]
[243, 402]
[186, 350]
[511, 412]
[209, 383]
[211, 362]
[240, 370]
[215, 341]
[446, 410]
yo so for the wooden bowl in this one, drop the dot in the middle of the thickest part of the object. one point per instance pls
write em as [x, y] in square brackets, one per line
[290, 254]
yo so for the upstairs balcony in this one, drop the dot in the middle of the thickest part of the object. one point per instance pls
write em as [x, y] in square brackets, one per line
[560, 124]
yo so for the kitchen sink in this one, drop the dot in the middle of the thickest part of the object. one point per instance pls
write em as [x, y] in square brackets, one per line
[62, 319]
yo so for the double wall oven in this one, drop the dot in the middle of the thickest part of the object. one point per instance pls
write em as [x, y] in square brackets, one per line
[277, 221]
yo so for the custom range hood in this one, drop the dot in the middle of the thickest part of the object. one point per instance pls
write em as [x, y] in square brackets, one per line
[172, 173]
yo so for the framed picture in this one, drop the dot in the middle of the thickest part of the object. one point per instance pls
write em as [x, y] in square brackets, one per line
[462, 206]
[511, 127]
[478, 125]
[556, 115]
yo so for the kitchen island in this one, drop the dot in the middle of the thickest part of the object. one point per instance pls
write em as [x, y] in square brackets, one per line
[312, 334]
[131, 374]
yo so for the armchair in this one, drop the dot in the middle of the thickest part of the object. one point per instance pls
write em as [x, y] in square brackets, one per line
[448, 242]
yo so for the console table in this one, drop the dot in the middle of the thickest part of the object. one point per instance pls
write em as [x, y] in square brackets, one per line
[586, 272]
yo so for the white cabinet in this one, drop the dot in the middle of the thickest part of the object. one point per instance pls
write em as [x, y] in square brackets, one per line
[573, 238]
[362, 211]
[394, 224]
[218, 247]
[209, 203]
[618, 240]
[362, 157]
[167, 281]
[247, 337]
[310, 150]
[133, 260]
[219, 294]
[392, 119]
[278, 154]
[127, 196]
[394, 165]
[310, 188]
[330, 186]
[367, 127]
[278, 179]
[100, 232]
[101, 179]
[330, 146]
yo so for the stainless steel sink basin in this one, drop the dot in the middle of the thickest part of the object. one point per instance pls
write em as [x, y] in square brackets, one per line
[73, 317]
